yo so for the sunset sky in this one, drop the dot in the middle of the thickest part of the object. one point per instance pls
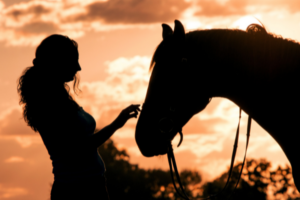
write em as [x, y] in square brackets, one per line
[116, 40]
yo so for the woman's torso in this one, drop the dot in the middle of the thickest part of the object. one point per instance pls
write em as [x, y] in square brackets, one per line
[71, 159]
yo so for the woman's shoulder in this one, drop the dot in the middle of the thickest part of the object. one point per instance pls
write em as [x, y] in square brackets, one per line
[58, 112]
[57, 120]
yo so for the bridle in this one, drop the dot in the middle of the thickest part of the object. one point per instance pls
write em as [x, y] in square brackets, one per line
[172, 161]
[169, 118]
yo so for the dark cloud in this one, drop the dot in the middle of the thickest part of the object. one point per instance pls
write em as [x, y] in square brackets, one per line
[36, 10]
[12, 2]
[133, 11]
[39, 27]
[212, 8]
[14, 124]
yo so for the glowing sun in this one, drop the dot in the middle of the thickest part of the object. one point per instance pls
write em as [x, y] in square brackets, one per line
[245, 21]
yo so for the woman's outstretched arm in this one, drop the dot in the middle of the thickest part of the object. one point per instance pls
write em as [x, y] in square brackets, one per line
[104, 134]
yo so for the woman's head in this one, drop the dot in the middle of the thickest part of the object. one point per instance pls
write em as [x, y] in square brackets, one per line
[43, 85]
[57, 55]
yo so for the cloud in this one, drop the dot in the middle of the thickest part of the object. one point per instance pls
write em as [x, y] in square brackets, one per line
[126, 84]
[1, 5]
[216, 8]
[14, 159]
[13, 124]
[39, 28]
[133, 11]
[36, 11]
[9, 192]
[26, 173]
[205, 126]
[26, 23]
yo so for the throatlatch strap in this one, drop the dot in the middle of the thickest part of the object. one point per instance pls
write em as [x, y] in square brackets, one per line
[172, 162]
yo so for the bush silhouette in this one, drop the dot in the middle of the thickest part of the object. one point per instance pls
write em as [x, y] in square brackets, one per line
[257, 180]
[128, 181]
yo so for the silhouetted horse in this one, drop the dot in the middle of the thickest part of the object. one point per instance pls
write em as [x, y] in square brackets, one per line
[254, 69]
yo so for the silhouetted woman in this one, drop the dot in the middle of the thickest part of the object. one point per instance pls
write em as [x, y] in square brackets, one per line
[66, 129]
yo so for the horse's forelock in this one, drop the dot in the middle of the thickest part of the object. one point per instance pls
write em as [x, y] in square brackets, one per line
[152, 63]
[154, 57]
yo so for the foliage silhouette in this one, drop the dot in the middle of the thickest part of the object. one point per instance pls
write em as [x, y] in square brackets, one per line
[256, 182]
[128, 181]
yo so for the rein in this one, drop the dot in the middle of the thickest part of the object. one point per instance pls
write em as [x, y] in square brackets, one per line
[172, 162]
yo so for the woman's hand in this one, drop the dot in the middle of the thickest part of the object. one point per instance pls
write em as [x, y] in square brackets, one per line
[127, 113]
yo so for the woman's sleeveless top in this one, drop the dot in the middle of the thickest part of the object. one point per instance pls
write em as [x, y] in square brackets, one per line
[72, 161]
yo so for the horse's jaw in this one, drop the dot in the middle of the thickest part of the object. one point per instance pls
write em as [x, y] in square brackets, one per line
[149, 139]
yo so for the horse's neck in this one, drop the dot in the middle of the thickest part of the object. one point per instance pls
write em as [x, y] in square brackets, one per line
[236, 70]
[269, 96]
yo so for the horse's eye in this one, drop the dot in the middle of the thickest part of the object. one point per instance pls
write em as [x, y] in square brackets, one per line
[166, 125]
[183, 61]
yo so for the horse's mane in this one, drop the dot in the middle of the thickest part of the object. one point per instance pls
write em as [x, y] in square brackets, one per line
[259, 47]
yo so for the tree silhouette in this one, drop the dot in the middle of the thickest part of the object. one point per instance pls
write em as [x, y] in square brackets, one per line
[128, 181]
[256, 182]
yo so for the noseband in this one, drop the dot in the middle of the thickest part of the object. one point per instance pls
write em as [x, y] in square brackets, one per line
[167, 125]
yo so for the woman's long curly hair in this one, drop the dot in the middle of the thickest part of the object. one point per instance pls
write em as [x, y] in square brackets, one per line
[39, 89]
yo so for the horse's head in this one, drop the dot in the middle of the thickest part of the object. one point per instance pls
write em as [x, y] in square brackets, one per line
[168, 104]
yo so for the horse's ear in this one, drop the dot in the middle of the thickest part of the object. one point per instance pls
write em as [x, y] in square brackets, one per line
[167, 31]
[179, 32]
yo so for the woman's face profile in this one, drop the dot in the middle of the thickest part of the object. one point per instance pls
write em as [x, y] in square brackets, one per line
[69, 66]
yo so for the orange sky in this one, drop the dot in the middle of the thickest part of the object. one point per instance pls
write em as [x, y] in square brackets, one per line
[116, 40]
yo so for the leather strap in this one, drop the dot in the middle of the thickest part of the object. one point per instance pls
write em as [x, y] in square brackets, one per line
[172, 162]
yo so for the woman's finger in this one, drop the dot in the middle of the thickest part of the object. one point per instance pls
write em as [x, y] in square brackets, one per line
[130, 109]
[137, 106]
[134, 106]
[133, 112]
[132, 115]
